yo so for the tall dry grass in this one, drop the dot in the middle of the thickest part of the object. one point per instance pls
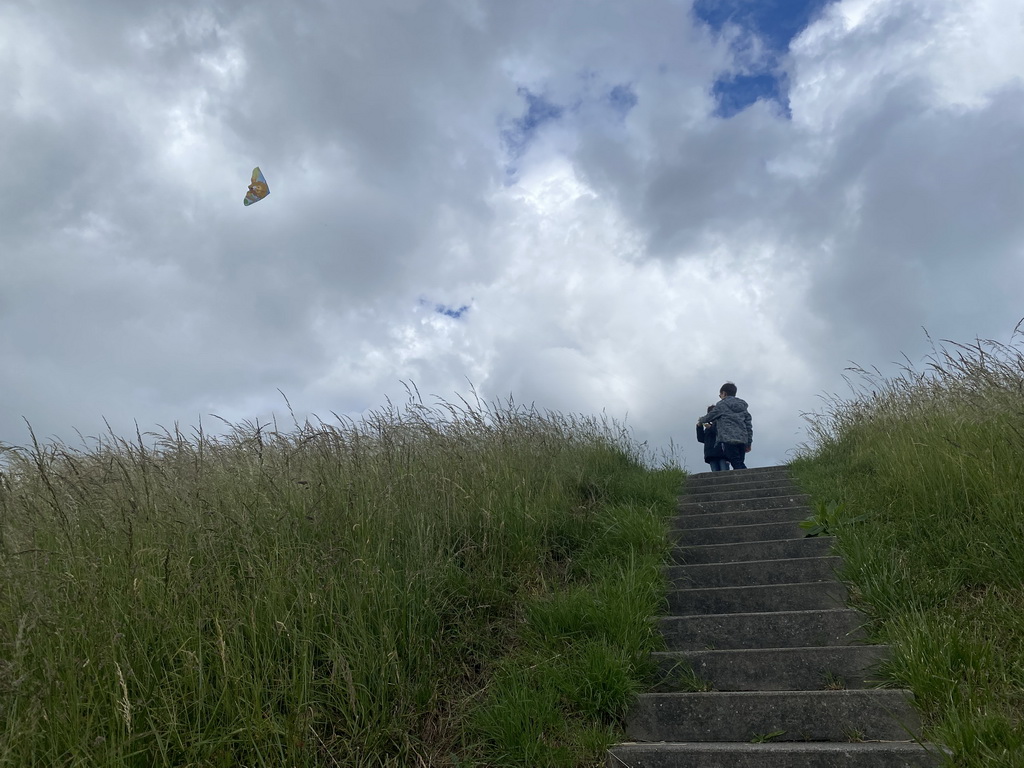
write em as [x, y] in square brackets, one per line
[354, 593]
[934, 461]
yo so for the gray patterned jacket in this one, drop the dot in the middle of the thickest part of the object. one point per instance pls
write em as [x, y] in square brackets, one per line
[732, 420]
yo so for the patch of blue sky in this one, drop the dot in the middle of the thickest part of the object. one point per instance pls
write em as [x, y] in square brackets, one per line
[456, 313]
[521, 130]
[733, 92]
[774, 23]
[541, 111]
[451, 312]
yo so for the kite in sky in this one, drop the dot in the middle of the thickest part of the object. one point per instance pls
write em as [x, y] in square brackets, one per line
[258, 189]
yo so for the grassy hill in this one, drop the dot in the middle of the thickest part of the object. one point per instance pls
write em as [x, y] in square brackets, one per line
[451, 585]
[470, 585]
[921, 479]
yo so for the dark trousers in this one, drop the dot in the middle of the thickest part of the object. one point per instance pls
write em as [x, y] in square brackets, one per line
[734, 453]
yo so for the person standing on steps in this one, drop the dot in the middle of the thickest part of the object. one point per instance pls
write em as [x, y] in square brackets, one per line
[713, 453]
[732, 421]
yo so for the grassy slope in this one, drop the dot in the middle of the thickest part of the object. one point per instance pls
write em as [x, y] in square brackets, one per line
[431, 586]
[935, 461]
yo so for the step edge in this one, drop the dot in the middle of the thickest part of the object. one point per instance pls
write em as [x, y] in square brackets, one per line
[775, 560]
[852, 611]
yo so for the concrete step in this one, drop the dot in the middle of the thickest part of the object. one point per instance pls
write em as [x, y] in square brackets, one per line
[811, 546]
[744, 517]
[856, 715]
[732, 534]
[776, 669]
[703, 480]
[788, 629]
[797, 570]
[744, 491]
[760, 598]
[815, 755]
[747, 489]
[780, 629]
[735, 480]
[687, 507]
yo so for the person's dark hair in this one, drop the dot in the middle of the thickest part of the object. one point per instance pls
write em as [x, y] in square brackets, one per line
[711, 408]
[729, 388]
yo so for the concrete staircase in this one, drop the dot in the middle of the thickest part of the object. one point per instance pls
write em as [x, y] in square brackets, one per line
[759, 621]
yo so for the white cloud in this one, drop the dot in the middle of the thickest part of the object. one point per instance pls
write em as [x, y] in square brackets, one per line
[639, 258]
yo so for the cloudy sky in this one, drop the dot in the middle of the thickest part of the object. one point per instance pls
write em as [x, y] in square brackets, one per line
[597, 206]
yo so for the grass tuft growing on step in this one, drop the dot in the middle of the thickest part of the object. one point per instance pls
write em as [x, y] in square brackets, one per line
[933, 463]
[461, 585]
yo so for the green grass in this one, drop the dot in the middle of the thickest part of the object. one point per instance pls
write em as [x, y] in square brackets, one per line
[926, 472]
[440, 585]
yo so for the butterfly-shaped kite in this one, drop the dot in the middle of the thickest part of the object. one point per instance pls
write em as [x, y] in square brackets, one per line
[258, 189]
